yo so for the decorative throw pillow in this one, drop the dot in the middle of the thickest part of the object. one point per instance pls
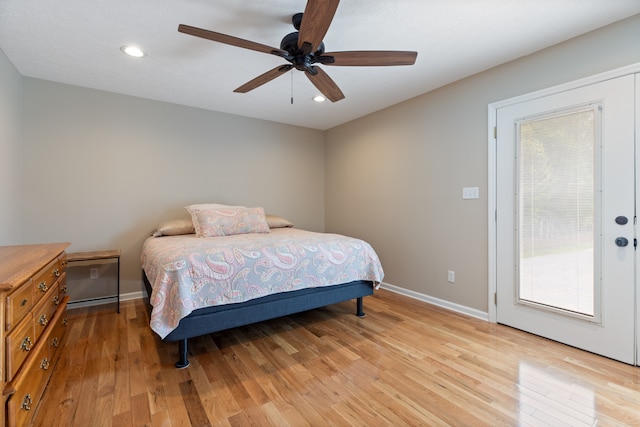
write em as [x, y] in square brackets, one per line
[174, 227]
[212, 220]
[276, 221]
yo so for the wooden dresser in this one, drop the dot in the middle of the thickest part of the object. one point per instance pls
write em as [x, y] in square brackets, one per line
[33, 311]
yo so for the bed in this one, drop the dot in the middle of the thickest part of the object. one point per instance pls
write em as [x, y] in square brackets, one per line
[233, 266]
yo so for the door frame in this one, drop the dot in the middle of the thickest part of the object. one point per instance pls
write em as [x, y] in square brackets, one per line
[492, 170]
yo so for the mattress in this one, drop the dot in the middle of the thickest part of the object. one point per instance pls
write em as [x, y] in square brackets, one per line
[188, 272]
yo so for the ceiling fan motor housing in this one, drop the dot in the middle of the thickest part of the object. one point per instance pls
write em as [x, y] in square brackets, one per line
[297, 57]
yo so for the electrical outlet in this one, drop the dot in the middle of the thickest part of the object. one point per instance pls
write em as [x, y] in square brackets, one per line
[451, 276]
[93, 273]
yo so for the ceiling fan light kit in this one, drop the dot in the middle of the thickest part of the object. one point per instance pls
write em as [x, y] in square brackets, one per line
[304, 48]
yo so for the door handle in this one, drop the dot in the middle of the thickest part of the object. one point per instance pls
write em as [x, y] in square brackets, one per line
[622, 242]
[621, 220]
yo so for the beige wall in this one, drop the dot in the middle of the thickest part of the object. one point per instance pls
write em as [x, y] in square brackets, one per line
[101, 169]
[396, 176]
[10, 153]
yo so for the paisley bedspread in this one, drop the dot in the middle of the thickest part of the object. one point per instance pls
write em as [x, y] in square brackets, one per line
[187, 272]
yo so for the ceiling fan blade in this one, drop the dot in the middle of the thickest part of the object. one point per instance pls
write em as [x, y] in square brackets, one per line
[263, 78]
[230, 40]
[316, 19]
[369, 58]
[323, 82]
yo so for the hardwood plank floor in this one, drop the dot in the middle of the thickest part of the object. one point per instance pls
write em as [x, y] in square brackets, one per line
[405, 363]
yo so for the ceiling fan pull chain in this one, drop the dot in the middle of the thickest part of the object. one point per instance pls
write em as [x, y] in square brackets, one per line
[292, 86]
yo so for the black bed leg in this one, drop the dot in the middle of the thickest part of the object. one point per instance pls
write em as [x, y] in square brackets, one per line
[182, 350]
[359, 311]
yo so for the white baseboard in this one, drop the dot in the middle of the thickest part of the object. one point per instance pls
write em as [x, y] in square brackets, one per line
[133, 295]
[392, 288]
[437, 301]
[111, 300]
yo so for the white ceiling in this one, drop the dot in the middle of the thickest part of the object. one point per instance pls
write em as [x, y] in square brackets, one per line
[78, 42]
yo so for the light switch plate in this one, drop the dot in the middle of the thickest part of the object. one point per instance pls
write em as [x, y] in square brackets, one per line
[470, 193]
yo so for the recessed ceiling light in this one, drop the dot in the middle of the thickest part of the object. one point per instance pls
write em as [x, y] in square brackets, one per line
[319, 98]
[132, 51]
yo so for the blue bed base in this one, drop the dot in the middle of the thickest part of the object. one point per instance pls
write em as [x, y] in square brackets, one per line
[213, 319]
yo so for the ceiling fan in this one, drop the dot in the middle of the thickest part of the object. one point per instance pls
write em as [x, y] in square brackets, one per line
[304, 48]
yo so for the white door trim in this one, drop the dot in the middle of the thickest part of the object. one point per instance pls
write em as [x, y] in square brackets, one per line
[492, 161]
[637, 159]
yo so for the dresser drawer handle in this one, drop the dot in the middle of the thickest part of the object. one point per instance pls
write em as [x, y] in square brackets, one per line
[56, 272]
[24, 302]
[65, 322]
[56, 300]
[44, 365]
[55, 343]
[64, 289]
[43, 320]
[43, 286]
[26, 344]
[27, 402]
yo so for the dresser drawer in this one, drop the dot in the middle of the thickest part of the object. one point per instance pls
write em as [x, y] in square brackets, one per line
[18, 304]
[27, 386]
[20, 342]
[28, 390]
[46, 278]
[26, 296]
[62, 260]
[58, 331]
[62, 286]
[43, 312]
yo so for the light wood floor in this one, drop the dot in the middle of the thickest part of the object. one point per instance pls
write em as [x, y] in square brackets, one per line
[405, 363]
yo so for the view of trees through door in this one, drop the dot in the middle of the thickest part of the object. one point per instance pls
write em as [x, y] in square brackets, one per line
[556, 221]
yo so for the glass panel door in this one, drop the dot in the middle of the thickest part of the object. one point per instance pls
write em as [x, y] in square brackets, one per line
[557, 210]
[565, 217]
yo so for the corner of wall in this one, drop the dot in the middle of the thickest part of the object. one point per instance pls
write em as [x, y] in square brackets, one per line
[11, 153]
